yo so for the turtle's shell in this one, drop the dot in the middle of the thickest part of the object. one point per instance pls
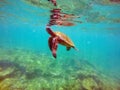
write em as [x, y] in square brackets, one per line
[64, 39]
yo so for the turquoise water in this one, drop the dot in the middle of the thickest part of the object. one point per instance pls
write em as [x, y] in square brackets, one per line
[22, 27]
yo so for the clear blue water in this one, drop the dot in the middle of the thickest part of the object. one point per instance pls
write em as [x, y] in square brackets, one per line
[23, 26]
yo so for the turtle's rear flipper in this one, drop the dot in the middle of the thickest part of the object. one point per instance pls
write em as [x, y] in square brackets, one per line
[68, 48]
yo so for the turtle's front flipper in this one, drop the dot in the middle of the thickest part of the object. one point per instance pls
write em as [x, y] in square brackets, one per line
[50, 43]
[68, 48]
[53, 44]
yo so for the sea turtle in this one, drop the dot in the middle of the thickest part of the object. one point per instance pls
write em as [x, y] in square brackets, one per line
[58, 38]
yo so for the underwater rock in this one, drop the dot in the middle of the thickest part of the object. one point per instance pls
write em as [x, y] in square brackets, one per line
[9, 64]
[11, 73]
[89, 84]
[36, 73]
[8, 73]
[10, 70]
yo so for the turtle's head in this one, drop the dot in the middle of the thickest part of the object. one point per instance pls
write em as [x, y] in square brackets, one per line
[49, 30]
